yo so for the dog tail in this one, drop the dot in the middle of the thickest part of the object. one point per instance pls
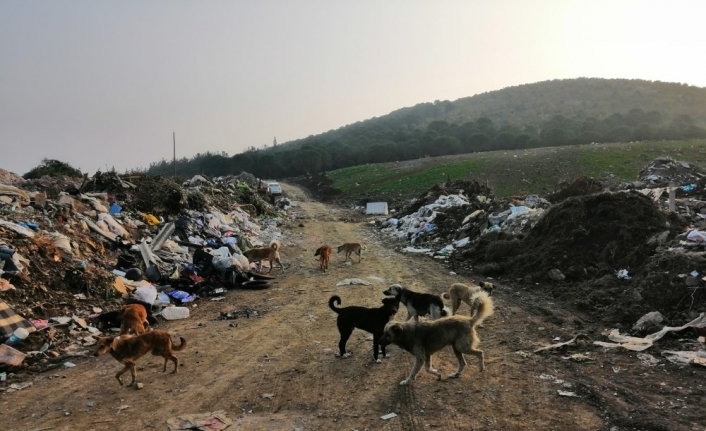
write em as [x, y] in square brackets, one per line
[335, 299]
[445, 295]
[485, 309]
[274, 245]
[363, 246]
[180, 346]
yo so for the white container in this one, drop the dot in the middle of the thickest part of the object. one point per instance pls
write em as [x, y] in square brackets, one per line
[175, 313]
[17, 337]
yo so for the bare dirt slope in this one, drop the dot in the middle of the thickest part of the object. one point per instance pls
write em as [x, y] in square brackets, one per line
[288, 354]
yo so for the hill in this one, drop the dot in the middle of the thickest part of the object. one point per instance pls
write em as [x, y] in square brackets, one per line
[544, 114]
[535, 171]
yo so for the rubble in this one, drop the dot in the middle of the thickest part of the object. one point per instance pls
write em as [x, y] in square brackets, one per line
[73, 247]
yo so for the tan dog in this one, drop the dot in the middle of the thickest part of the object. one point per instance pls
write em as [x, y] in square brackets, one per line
[271, 253]
[428, 337]
[352, 247]
[130, 349]
[324, 253]
[135, 318]
[459, 292]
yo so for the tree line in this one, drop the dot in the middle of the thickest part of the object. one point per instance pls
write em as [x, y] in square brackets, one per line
[386, 141]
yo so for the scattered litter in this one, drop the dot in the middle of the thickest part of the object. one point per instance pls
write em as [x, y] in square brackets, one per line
[268, 396]
[214, 421]
[647, 359]
[566, 393]
[247, 313]
[685, 357]
[352, 281]
[69, 365]
[580, 340]
[623, 274]
[11, 356]
[388, 416]
[639, 344]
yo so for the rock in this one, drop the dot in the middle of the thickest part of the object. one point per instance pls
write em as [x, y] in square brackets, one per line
[649, 320]
[140, 385]
[556, 275]
[691, 281]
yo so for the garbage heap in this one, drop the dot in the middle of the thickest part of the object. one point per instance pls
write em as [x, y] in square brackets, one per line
[453, 215]
[618, 254]
[69, 256]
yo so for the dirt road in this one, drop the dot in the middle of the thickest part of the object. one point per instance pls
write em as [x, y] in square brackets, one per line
[288, 354]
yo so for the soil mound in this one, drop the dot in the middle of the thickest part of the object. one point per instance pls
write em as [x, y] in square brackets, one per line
[581, 187]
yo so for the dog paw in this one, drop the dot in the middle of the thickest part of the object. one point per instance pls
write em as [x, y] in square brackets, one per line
[378, 361]
[404, 382]
[454, 376]
[386, 356]
[433, 371]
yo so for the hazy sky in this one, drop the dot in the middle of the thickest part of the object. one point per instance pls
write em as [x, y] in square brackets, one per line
[104, 83]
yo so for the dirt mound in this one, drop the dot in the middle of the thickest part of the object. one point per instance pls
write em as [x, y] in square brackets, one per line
[581, 187]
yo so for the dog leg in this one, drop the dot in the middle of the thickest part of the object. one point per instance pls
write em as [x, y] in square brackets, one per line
[376, 344]
[133, 373]
[461, 363]
[360, 253]
[121, 372]
[176, 363]
[430, 369]
[345, 334]
[415, 370]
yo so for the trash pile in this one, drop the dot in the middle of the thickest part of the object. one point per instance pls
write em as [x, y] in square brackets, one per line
[73, 251]
[618, 254]
[451, 216]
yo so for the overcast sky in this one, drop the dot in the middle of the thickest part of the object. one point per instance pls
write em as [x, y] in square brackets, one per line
[103, 84]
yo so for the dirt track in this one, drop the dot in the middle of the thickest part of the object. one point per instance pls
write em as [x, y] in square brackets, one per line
[289, 353]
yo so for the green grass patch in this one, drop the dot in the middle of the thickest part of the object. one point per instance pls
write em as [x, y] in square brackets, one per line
[534, 171]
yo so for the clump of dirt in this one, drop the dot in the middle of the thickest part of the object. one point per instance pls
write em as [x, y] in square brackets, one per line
[580, 187]
[589, 238]
[607, 231]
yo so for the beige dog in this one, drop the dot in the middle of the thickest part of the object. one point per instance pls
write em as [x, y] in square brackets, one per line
[271, 253]
[459, 292]
[352, 247]
[426, 338]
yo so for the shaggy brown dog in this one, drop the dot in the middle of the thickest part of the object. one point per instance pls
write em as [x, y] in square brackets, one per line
[459, 292]
[324, 253]
[134, 317]
[271, 253]
[426, 338]
[130, 349]
[352, 247]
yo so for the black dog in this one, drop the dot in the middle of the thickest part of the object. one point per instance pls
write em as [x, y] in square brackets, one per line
[372, 320]
[418, 304]
[114, 319]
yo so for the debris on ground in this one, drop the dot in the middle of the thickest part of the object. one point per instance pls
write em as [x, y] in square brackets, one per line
[71, 246]
[352, 282]
[214, 421]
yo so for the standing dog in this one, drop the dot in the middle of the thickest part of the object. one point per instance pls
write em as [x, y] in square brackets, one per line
[418, 304]
[426, 338]
[324, 253]
[134, 317]
[371, 320]
[352, 247]
[271, 253]
[128, 350]
[459, 292]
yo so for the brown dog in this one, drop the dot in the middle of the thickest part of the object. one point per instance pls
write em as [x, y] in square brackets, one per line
[459, 292]
[271, 253]
[423, 339]
[135, 318]
[352, 247]
[324, 253]
[130, 349]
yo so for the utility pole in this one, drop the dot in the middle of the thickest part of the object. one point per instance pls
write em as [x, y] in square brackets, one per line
[174, 141]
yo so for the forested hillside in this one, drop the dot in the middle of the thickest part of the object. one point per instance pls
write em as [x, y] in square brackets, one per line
[544, 114]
